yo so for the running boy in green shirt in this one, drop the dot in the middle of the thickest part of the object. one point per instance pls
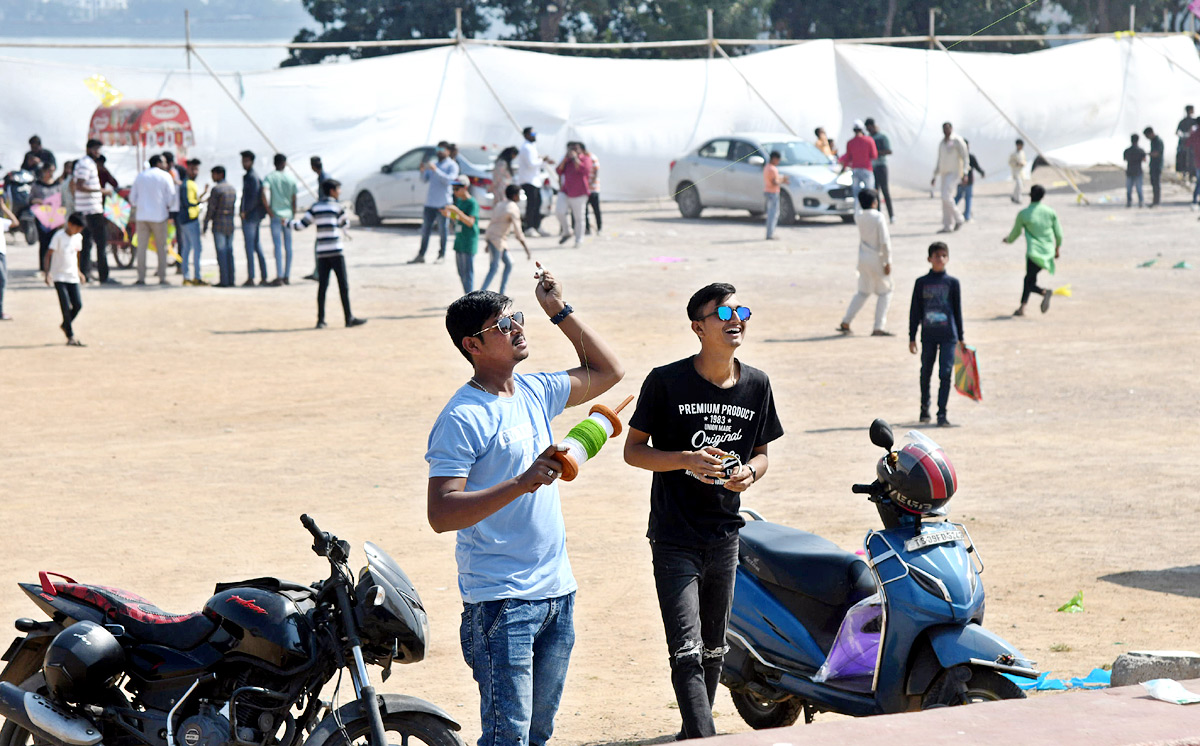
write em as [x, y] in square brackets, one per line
[1043, 239]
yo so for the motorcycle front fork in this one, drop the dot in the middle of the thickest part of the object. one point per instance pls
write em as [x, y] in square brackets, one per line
[362, 682]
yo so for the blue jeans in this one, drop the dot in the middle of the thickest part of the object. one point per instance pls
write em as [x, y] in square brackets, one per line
[861, 178]
[3, 279]
[944, 353]
[1132, 182]
[966, 192]
[429, 217]
[518, 652]
[772, 199]
[466, 269]
[252, 234]
[189, 246]
[224, 244]
[497, 255]
[281, 234]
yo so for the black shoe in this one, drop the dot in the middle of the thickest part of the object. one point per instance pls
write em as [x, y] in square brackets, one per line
[248, 283]
[320, 323]
[312, 277]
[286, 281]
[355, 321]
[943, 422]
[441, 258]
[566, 237]
[1046, 296]
[418, 259]
[925, 418]
[110, 281]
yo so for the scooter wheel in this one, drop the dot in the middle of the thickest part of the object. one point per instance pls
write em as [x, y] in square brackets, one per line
[984, 685]
[762, 713]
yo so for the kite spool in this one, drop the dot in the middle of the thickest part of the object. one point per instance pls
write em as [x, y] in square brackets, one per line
[586, 439]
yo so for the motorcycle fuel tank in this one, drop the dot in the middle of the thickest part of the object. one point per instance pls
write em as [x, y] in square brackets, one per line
[263, 624]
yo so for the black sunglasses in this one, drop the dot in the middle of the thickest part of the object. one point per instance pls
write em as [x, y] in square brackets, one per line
[725, 313]
[505, 323]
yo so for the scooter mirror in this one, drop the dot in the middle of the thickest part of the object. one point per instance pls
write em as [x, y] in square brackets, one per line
[881, 434]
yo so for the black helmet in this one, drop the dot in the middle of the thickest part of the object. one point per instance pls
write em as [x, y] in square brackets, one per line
[81, 662]
[920, 476]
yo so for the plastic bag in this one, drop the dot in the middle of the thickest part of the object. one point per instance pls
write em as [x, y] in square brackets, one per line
[856, 647]
[966, 372]
[1169, 690]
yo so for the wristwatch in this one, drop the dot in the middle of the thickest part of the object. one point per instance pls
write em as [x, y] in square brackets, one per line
[752, 471]
[566, 311]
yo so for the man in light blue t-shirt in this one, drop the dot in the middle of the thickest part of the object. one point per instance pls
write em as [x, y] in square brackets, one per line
[441, 177]
[492, 477]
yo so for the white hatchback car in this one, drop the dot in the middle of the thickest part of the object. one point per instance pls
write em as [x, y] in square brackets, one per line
[727, 172]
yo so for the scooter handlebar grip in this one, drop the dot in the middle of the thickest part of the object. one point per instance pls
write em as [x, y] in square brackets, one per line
[863, 489]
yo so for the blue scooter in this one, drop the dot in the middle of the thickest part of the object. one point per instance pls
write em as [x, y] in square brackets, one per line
[814, 628]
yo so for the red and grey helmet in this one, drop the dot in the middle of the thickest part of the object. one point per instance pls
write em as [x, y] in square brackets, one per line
[921, 477]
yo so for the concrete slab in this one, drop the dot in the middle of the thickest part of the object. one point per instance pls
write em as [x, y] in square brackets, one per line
[1111, 717]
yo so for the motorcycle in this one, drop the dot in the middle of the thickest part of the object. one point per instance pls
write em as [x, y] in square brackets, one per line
[109, 667]
[814, 628]
[18, 185]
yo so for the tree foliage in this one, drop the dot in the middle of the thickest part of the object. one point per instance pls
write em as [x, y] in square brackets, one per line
[377, 20]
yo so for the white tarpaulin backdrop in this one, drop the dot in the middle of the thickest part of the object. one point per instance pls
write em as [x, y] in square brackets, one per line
[1079, 102]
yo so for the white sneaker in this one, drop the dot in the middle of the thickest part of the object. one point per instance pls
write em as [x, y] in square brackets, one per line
[533, 233]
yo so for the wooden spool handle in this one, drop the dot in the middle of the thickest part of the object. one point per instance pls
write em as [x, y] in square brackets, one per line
[623, 404]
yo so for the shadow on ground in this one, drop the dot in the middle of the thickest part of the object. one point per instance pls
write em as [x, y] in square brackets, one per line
[1180, 581]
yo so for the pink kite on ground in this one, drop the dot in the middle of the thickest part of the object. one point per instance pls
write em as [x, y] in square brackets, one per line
[50, 213]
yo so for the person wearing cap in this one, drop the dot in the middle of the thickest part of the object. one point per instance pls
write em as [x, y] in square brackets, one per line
[252, 213]
[860, 154]
[879, 166]
[465, 210]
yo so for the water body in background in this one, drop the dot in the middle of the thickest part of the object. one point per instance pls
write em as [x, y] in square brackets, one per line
[221, 60]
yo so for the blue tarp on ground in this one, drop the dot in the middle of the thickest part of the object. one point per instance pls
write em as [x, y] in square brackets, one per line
[1097, 679]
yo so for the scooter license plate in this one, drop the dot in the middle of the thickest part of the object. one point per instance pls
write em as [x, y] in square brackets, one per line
[932, 538]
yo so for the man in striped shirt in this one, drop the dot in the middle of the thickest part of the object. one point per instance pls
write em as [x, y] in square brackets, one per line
[330, 218]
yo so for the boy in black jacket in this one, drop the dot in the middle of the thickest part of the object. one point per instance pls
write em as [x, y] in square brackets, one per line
[937, 310]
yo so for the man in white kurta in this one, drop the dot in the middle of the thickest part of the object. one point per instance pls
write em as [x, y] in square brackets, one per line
[874, 264]
[952, 160]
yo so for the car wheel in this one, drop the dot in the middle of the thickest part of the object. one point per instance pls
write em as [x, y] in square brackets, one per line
[847, 218]
[756, 213]
[688, 199]
[787, 211]
[364, 208]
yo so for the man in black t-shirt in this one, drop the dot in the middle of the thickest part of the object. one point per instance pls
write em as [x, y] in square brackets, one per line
[1134, 158]
[692, 416]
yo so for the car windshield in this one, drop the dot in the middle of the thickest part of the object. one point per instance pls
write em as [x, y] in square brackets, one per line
[798, 153]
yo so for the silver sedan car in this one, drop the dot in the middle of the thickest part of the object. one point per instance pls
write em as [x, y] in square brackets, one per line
[397, 191]
[728, 172]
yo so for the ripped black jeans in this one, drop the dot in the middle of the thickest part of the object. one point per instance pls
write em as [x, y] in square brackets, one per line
[695, 592]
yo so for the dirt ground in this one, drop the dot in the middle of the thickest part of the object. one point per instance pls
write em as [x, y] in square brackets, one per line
[179, 447]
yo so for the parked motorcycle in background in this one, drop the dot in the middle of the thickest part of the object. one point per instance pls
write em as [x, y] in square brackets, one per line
[18, 186]
[249, 670]
[814, 628]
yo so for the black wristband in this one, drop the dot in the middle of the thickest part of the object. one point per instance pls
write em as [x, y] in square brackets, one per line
[566, 311]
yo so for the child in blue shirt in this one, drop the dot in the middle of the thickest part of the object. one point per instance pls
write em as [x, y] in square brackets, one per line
[937, 310]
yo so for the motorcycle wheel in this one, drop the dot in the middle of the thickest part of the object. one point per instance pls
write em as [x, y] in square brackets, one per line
[405, 727]
[984, 685]
[763, 713]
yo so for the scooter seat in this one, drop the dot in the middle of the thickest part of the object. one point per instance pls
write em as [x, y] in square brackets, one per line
[804, 563]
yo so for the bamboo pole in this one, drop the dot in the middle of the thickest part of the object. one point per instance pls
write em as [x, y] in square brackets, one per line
[187, 37]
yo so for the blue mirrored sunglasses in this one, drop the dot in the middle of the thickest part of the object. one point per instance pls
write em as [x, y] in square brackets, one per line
[725, 313]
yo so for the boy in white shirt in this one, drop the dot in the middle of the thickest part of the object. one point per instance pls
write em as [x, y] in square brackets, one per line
[63, 262]
[874, 264]
[1017, 162]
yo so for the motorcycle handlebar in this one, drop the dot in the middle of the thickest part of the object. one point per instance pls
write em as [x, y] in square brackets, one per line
[307, 521]
[863, 489]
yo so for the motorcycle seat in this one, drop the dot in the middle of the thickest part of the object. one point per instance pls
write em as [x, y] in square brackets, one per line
[804, 563]
[141, 619]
